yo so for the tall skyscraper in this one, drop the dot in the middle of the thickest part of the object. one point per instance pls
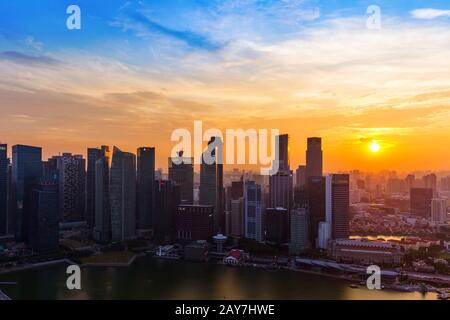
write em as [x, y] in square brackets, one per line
[337, 205]
[93, 154]
[277, 225]
[182, 173]
[167, 195]
[438, 210]
[300, 177]
[123, 196]
[44, 226]
[102, 225]
[281, 183]
[299, 241]
[430, 181]
[420, 201]
[253, 211]
[3, 189]
[211, 181]
[314, 156]
[316, 207]
[72, 186]
[145, 187]
[26, 172]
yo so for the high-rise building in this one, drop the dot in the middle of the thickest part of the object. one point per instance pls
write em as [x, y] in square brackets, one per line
[182, 173]
[26, 172]
[123, 195]
[300, 177]
[102, 224]
[72, 186]
[253, 221]
[281, 183]
[430, 182]
[145, 187]
[316, 206]
[277, 225]
[237, 228]
[167, 195]
[194, 222]
[337, 205]
[438, 210]
[445, 184]
[299, 241]
[420, 201]
[314, 156]
[93, 154]
[44, 226]
[211, 181]
[3, 189]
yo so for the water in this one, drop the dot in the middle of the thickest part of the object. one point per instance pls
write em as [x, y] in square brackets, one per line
[148, 278]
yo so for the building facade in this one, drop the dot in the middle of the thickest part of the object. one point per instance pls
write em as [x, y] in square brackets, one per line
[145, 187]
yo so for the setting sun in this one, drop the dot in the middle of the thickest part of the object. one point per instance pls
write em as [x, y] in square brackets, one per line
[374, 147]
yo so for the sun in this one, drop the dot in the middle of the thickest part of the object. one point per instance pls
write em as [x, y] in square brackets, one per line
[374, 147]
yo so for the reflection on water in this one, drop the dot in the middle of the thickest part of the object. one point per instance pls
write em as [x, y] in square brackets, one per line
[163, 279]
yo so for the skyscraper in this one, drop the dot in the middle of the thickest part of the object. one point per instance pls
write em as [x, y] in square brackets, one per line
[314, 156]
[102, 225]
[145, 187]
[281, 183]
[299, 241]
[167, 195]
[182, 173]
[337, 205]
[300, 177]
[44, 227]
[420, 201]
[3, 189]
[316, 207]
[26, 172]
[438, 210]
[253, 211]
[211, 181]
[277, 225]
[123, 196]
[93, 154]
[430, 181]
[72, 186]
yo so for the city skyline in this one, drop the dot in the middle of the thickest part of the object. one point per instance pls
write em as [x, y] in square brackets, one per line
[308, 68]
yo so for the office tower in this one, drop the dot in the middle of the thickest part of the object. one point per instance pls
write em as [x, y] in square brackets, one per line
[3, 189]
[44, 227]
[316, 205]
[430, 182]
[211, 181]
[396, 186]
[102, 224]
[277, 225]
[10, 201]
[26, 172]
[93, 154]
[410, 182]
[253, 211]
[167, 200]
[237, 229]
[123, 195]
[182, 173]
[420, 201]
[314, 158]
[299, 241]
[438, 210]
[72, 186]
[445, 184]
[145, 187]
[337, 205]
[300, 177]
[281, 183]
[194, 222]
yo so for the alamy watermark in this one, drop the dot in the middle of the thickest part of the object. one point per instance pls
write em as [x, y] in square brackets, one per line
[374, 20]
[374, 280]
[74, 280]
[73, 22]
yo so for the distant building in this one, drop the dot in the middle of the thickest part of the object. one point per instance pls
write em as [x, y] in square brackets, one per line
[123, 196]
[253, 211]
[44, 226]
[167, 200]
[314, 155]
[430, 182]
[281, 183]
[3, 189]
[145, 187]
[365, 252]
[338, 204]
[26, 172]
[194, 222]
[277, 225]
[300, 177]
[182, 173]
[211, 181]
[234, 257]
[237, 218]
[438, 210]
[316, 207]
[420, 201]
[299, 240]
[102, 225]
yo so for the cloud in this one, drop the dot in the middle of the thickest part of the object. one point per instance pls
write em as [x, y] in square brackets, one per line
[26, 59]
[428, 14]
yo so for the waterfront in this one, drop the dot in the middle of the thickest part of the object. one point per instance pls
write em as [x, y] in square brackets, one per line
[149, 278]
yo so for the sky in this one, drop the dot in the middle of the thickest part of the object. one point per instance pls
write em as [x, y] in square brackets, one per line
[138, 70]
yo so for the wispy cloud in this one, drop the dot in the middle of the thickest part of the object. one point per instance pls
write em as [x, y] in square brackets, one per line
[23, 58]
[428, 14]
